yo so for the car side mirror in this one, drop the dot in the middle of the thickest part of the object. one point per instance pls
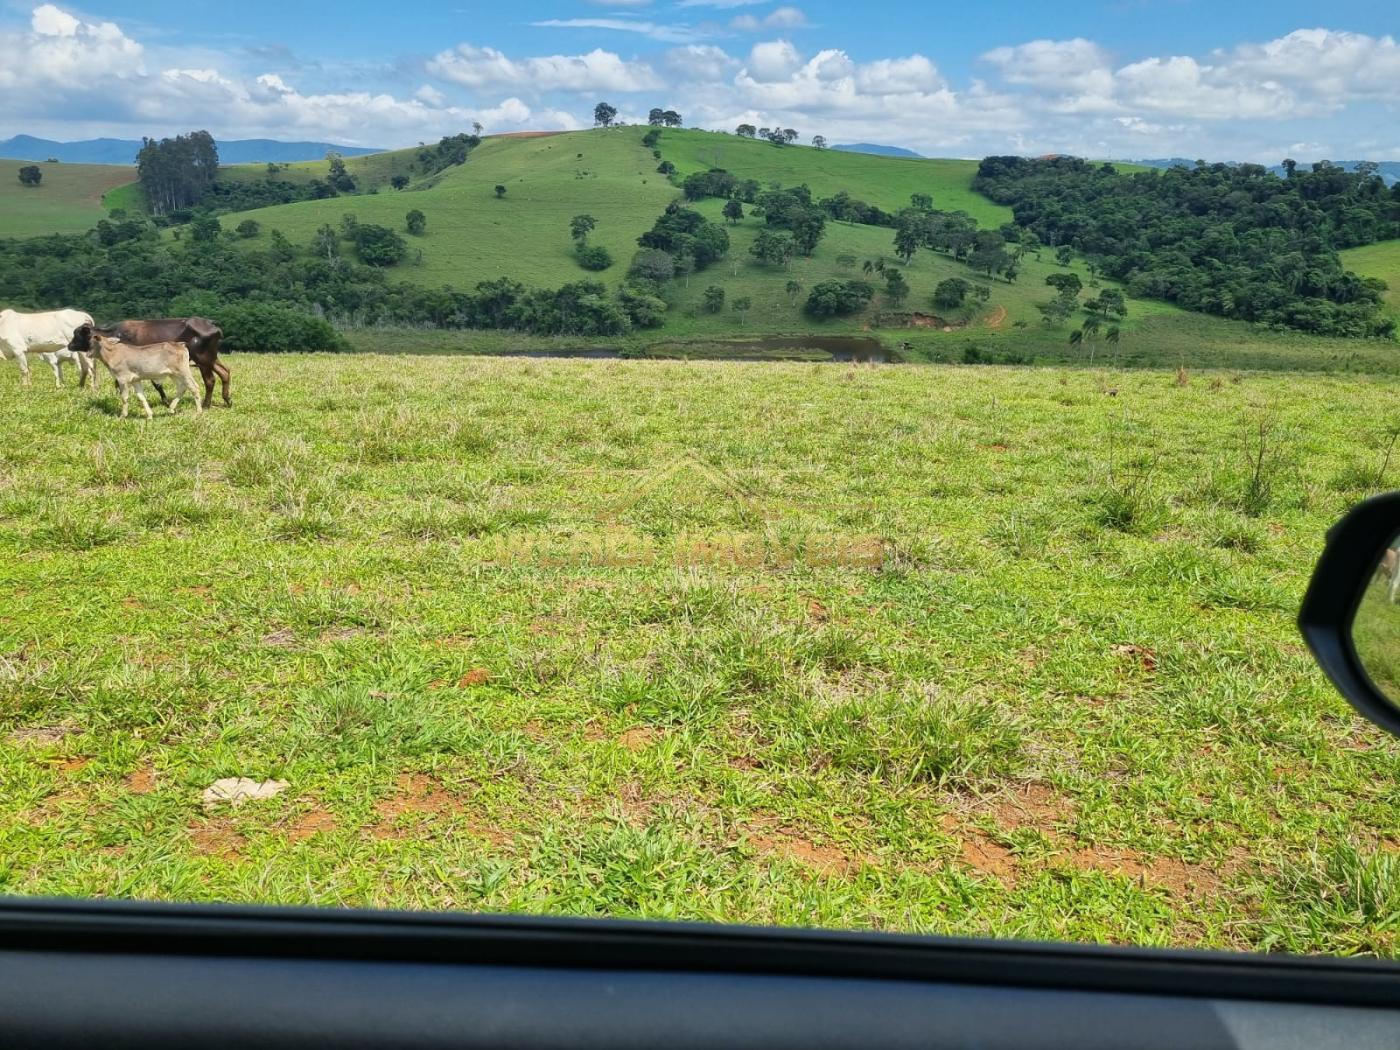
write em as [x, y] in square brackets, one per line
[1351, 613]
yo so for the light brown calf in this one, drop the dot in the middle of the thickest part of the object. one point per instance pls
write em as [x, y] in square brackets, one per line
[132, 365]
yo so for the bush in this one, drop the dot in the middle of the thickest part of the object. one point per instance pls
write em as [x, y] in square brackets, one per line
[266, 329]
[654, 265]
[378, 245]
[248, 229]
[594, 257]
[416, 222]
[838, 298]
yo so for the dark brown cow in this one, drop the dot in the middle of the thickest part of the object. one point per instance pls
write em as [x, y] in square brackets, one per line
[200, 336]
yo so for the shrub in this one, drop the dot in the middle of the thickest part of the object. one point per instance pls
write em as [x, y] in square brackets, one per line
[268, 329]
[248, 229]
[378, 245]
[416, 222]
[594, 257]
[838, 298]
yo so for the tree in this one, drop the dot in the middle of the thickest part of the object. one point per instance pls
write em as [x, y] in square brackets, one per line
[604, 115]
[836, 298]
[500, 192]
[378, 245]
[416, 222]
[30, 175]
[326, 242]
[175, 174]
[896, 287]
[399, 182]
[337, 176]
[793, 289]
[772, 248]
[808, 226]
[657, 117]
[746, 131]
[921, 202]
[733, 210]
[714, 299]
[742, 306]
[908, 238]
[819, 141]
[205, 229]
[672, 119]
[1064, 255]
[248, 229]
[665, 168]
[1066, 284]
[950, 293]
[580, 226]
[653, 265]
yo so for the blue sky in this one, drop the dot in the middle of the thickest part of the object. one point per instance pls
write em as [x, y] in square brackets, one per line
[1121, 78]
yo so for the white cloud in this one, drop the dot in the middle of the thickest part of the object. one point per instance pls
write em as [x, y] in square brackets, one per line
[772, 61]
[675, 34]
[91, 78]
[700, 64]
[779, 18]
[478, 67]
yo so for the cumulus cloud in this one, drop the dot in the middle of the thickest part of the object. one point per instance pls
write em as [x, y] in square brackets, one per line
[599, 70]
[779, 18]
[140, 91]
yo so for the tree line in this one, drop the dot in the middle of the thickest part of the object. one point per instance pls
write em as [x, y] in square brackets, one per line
[177, 173]
[1228, 239]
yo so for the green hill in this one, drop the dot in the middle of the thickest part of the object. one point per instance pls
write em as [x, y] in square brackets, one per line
[1378, 260]
[69, 200]
[607, 174]
[473, 236]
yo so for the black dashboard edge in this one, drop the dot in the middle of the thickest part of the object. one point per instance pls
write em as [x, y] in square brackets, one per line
[126, 927]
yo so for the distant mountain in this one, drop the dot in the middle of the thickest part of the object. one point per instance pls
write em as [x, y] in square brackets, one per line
[1389, 170]
[878, 150]
[123, 151]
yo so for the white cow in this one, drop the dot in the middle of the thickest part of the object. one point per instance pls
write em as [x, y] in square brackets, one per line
[47, 335]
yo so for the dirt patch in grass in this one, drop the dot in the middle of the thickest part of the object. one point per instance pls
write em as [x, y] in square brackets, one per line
[141, 782]
[72, 765]
[217, 837]
[280, 639]
[1181, 878]
[1032, 805]
[770, 837]
[639, 738]
[984, 854]
[316, 822]
[341, 634]
[476, 676]
[417, 796]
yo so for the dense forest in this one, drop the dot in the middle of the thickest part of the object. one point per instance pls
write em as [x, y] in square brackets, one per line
[177, 173]
[1227, 239]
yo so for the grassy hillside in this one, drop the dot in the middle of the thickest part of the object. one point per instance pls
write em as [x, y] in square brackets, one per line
[884, 181]
[1378, 260]
[69, 200]
[924, 649]
[472, 236]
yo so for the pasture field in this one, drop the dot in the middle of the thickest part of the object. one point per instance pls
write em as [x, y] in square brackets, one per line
[68, 200]
[987, 651]
[884, 181]
[1378, 260]
[472, 236]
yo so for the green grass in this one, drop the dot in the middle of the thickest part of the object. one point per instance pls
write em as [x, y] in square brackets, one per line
[1378, 260]
[472, 236]
[68, 200]
[986, 651]
[884, 181]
